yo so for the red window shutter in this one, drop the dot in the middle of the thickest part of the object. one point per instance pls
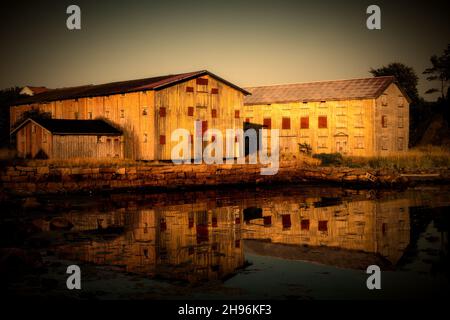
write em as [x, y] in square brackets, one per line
[286, 220]
[286, 123]
[304, 123]
[267, 220]
[267, 122]
[214, 113]
[236, 114]
[323, 122]
[190, 111]
[323, 225]
[202, 81]
[189, 89]
[162, 139]
[304, 224]
[214, 91]
[247, 119]
[162, 112]
[204, 127]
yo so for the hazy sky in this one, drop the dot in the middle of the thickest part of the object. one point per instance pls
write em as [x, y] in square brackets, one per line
[246, 42]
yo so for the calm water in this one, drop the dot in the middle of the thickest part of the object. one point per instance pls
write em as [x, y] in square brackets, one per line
[281, 243]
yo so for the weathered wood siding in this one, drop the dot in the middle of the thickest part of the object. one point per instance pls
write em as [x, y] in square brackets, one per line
[32, 140]
[86, 146]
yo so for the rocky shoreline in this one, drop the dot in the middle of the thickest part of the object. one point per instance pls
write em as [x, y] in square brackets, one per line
[33, 180]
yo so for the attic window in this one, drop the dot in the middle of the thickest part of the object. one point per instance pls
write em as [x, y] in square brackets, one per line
[202, 85]
[189, 89]
[400, 101]
[214, 91]
[384, 100]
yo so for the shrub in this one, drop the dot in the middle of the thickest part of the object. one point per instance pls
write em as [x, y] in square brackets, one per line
[329, 159]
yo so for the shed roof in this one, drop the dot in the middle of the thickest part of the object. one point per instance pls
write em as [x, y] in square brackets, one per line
[351, 89]
[154, 83]
[73, 127]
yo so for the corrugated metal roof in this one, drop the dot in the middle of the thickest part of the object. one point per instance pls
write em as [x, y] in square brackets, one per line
[74, 127]
[319, 91]
[154, 83]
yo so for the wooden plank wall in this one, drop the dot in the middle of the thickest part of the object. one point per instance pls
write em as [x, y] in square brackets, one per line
[86, 146]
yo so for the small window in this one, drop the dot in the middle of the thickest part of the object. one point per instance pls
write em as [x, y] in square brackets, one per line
[33, 128]
[401, 101]
[359, 142]
[304, 123]
[214, 91]
[304, 224]
[189, 89]
[286, 123]
[384, 122]
[286, 221]
[90, 115]
[236, 114]
[162, 112]
[144, 111]
[145, 138]
[400, 121]
[267, 221]
[44, 137]
[214, 113]
[323, 122]
[202, 85]
[122, 114]
[384, 143]
[107, 114]
[267, 123]
[400, 143]
[190, 111]
[162, 139]
[323, 225]
[384, 100]
[99, 139]
[76, 115]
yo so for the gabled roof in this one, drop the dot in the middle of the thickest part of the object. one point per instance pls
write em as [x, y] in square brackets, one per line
[154, 83]
[73, 127]
[365, 88]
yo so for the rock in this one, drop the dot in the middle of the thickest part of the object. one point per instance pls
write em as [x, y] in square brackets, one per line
[30, 203]
[17, 260]
[41, 224]
[60, 223]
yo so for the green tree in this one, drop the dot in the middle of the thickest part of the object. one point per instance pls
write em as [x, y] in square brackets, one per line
[440, 71]
[406, 77]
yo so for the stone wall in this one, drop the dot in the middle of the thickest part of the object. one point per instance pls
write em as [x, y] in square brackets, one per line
[53, 179]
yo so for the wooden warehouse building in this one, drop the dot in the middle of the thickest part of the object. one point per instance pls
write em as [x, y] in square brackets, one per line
[146, 111]
[359, 117]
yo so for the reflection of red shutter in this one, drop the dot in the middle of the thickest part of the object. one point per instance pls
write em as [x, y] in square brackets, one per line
[286, 220]
[190, 111]
[323, 122]
[189, 89]
[163, 225]
[304, 122]
[162, 139]
[191, 222]
[237, 220]
[268, 220]
[214, 113]
[267, 122]
[162, 112]
[286, 123]
[214, 91]
[237, 243]
[304, 224]
[323, 225]
[202, 233]
[214, 222]
[191, 251]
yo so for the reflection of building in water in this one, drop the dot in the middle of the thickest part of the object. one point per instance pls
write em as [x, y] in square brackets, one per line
[183, 242]
[372, 226]
[203, 240]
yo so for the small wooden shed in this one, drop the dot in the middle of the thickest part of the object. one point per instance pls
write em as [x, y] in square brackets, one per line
[65, 139]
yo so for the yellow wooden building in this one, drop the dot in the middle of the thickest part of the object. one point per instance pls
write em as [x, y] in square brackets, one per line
[146, 111]
[358, 117]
